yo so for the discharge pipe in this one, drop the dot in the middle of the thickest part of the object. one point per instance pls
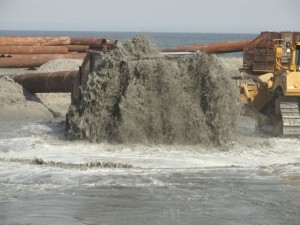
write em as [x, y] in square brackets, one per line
[48, 82]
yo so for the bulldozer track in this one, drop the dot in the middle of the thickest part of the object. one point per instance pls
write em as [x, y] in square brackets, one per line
[289, 107]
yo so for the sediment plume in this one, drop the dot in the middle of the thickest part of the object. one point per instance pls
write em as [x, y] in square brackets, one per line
[138, 96]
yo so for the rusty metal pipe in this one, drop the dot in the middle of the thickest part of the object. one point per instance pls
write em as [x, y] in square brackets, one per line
[77, 48]
[216, 48]
[87, 41]
[34, 41]
[33, 50]
[34, 60]
[47, 82]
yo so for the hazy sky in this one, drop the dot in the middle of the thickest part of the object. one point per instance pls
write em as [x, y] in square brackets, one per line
[241, 16]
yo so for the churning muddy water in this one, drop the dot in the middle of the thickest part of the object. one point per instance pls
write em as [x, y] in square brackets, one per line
[47, 180]
[137, 96]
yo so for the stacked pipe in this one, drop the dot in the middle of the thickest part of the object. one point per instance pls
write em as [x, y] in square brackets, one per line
[27, 52]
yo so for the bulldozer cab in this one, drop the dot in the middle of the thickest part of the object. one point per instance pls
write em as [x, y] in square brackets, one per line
[287, 56]
[294, 49]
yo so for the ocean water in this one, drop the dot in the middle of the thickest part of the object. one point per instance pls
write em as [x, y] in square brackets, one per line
[161, 40]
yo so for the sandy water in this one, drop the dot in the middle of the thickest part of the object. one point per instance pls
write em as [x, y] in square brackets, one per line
[254, 180]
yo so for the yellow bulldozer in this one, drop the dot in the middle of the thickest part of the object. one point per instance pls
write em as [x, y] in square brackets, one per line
[271, 80]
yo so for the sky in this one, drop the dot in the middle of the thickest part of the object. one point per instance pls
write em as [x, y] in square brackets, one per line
[203, 16]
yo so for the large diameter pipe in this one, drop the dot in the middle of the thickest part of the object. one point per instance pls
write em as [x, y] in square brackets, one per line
[47, 82]
[34, 41]
[216, 48]
[33, 50]
[77, 48]
[35, 60]
[87, 41]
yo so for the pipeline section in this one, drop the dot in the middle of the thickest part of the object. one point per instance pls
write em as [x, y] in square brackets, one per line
[48, 82]
[33, 50]
[34, 41]
[215, 48]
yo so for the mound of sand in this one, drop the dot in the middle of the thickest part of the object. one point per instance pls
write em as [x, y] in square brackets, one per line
[18, 103]
[57, 103]
[60, 65]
